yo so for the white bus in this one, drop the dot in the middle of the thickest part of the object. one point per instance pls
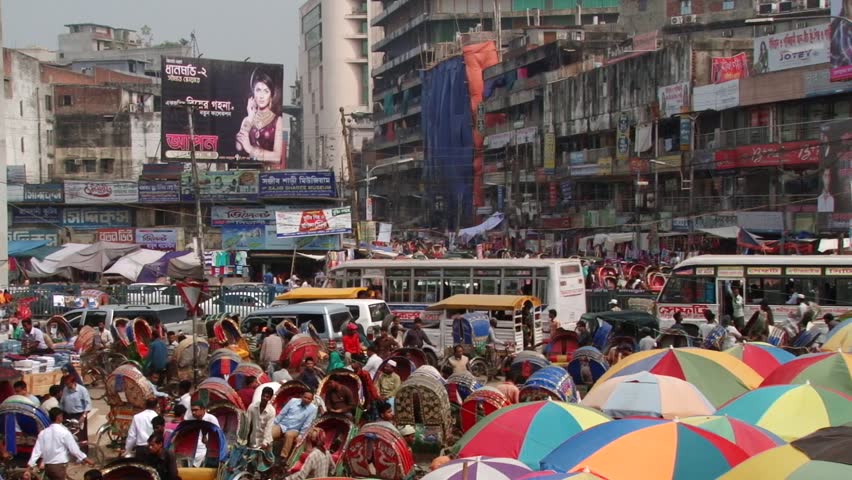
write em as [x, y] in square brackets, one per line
[409, 286]
[702, 282]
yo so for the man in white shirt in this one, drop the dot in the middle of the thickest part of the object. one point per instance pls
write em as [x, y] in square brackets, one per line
[54, 446]
[732, 335]
[185, 398]
[738, 306]
[199, 412]
[261, 419]
[140, 429]
[35, 338]
[52, 400]
[104, 336]
[374, 361]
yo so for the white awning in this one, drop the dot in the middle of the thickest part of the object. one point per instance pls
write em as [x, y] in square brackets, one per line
[50, 265]
[132, 264]
[829, 244]
[723, 232]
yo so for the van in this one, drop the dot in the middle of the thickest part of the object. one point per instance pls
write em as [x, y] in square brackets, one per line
[368, 313]
[171, 317]
[327, 318]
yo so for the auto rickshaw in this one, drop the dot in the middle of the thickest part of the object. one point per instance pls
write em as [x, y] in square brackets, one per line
[305, 294]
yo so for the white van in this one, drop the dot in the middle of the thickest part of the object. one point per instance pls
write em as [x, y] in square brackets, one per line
[327, 319]
[367, 313]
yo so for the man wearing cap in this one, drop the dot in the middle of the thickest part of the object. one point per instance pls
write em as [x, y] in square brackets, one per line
[389, 383]
[407, 432]
[351, 342]
[613, 306]
[199, 412]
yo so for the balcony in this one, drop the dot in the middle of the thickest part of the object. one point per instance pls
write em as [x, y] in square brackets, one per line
[359, 12]
[387, 12]
[680, 205]
[412, 107]
[789, 132]
[404, 136]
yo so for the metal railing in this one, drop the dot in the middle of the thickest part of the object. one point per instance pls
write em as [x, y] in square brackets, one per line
[788, 132]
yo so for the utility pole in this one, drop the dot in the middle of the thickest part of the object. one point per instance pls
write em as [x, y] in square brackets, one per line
[353, 184]
[498, 27]
[199, 236]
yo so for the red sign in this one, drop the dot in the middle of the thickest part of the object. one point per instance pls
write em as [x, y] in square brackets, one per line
[639, 165]
[724, 69]
[556, 223]
[117, 235]
[790, 154]
[553, 195]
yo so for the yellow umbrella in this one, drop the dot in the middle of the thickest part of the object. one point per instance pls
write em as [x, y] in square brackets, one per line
[840, 338]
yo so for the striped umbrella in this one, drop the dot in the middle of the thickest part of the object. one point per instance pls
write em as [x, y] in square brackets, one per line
[480, 468]
[646, 448]
[648, 395]
[839, 338]
[586, 474]
[829, 370]
[823, 454]
[750, 438]
[764, 358]
[527, 431]
[719, 376]
[791, 411]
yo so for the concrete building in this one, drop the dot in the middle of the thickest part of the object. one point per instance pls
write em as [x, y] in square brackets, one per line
[334, 69]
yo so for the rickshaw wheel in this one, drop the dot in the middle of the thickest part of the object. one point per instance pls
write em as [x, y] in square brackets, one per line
[431, 358]
[108, 440]
[93, 376]
[478, 368]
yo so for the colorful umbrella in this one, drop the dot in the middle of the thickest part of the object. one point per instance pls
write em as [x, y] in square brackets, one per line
[720, 377]
[751, 439]
[646, 448]
[551, 475]
[760, 356]
[791, 411]
[646, 394]
[527, 431]
[823, 454]
[839, 338]
[480, 468]
[829, 370]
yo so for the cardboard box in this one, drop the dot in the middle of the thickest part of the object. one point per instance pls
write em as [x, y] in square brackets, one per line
[40, 383]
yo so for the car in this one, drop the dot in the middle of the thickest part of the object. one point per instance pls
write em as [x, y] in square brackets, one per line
[235, 302]
[326, 318]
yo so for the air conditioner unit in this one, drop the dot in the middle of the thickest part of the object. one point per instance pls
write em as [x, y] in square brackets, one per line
[785, 6]
[579, 36]
[727, 33]
[767, 8]
[801, 25]
[677, 20]
[768, 29]
[690, 18]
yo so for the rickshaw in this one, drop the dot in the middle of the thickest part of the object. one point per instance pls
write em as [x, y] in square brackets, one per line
[518, 323]
[304, 294]
[348, 380]
[431, 372]
[222, 402]
[21, 422]
[423, 403]
[290, 390]
[415, 355]
[609, 328]
[559, 350]
[129, 469]
[95, 367]
[223, 362]
[228, 335]
[184, 443]
[121, 336]
[674, 338]
[460, 386]
[85, 342]
[237, 378]
[379, 451]
[480, 404]
[525, 364]
[549, 383]
[339, 431]
[60, 332]
[404, 368]
[127, 390]
[184, 356]
[140, 333]
[299, 348]
[587, 366]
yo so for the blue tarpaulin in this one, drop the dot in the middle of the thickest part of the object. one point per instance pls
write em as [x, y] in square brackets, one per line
[17, 247]
[448, 136]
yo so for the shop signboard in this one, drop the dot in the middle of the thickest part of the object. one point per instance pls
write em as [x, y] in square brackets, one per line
[790, 154]
[317, 243]
[116, 235]
[158, 238]
[93, 192]
[549, 153]
[93, 218]
[36, 215]
[795, 48]
[44, 193]
[716, 96]
[231, 185]
[297, 184]
[673, 99]
[307, 223]
[164, 191]
[51, 235]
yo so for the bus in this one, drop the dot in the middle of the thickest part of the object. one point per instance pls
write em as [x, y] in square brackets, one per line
[409, 286]
[702, 283]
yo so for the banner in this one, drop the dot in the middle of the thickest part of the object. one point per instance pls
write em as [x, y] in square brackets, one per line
[36, 215]
[673, 98]
[622, 138]
[321, 243]
[77, 192]
[298, 183]
[51, 235]
[244, 237]
[44, 193]
[725, 69]
[165, 239]
[796, 48]
[237, 109]
[219, 186]
[164, 191]
[313, 222]
[788, 154]
[116, 235]
[385, 230]
[841, 40]
[716, 97]
[239, 215]
[549, 153]
[93, 218]
[835, 199]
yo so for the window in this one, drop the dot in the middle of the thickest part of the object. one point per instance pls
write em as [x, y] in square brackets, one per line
[317, 320]
[338, 319]
[72, 165]
[162, 217]
[67, 100]
[835, 291]
[21, 107]
[49, 134]
[426, 290]
[90, 166]
[22, 144]
[93, 319]
[107, 165]
[378, 311]
[770, 289]
[728, 5]
[689, 290]
[399, 290]
[48, 103]
[686, 7]
[132, 67]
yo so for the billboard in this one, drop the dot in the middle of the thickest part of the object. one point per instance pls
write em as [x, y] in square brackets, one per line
[672, 99]
[237, 109]
[41, 215]
[229, 185]
[725, 69]
[841, 40]
[834, 202]
[157, 238]
[308, 223]
[93, 218]
[796, 48]
[82, 191]
[163, 191]
[43, 193]
[51, 235]
[716, 97]
[244, 237]
[298, 183]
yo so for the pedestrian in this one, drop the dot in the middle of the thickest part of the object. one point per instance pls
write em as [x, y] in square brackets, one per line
[738, 306]
[678, 322]
[199, 412]
[172, 343]
[554, 322]
[261, 416]
[338, 398]
[757, 328]
[76, 403]
[308, 375]
[647, 342]
[351, 342]
[710, 324]
[270, 350]
[613, 306]
[389, 383]
[178, 415]
[158, 354]
[317, 460]
[293, 420]
[385, 344]
[185, 399]
[368, 387]
[509, 390]
[246, 393]
[160, 458]
[103, 337]
[459, 361]
[20, 388]
[54, 447]
[52, 400]
[335, 359]
[583, 336]
[374, 361]
[416, 337]
[732, 334]
[141, 427]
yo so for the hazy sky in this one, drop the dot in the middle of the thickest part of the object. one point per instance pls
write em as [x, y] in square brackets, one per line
[265, 30]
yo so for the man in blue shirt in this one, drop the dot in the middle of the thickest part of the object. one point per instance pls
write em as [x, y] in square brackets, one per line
[76, 403]
[294, 420]
[158, 354]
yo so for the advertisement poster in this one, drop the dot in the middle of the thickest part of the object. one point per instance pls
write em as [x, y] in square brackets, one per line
[93, 218]
[77, 192]
[296, 184]
[841, 40]
[549, 153]
[306, 223]
[725, 69]
[796, 48]
[230, 185]
[319, 243]
[117, 235]
[244, 237]
[622, 141]
[834, 202]
[157, 238]
[673, 98]
[789, 154]
[237, 109]
[43, 193]
[36, 215]
[163, 191]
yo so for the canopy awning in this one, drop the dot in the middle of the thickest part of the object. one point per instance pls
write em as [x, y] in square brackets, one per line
[51, 264]
[131, 265]
[98, 256]
[722, 232]
[484, 302]
[19, 248]
[186, 266]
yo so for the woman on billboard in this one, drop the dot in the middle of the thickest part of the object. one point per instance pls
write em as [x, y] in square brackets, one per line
[261, 132]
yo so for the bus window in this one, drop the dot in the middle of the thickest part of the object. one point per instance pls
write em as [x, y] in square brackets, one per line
[399, 290]
[769, 289]
[809, 287]
[512, 286]
[540, 290]
[489, 286]
[689, 290]
[426, 290]
[455, 286]
[835, 291]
